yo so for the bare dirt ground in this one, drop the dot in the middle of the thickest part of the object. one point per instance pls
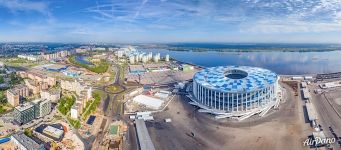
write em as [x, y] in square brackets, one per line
[281, 130]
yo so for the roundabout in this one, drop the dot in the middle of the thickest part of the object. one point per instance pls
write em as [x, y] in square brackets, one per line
[114, 89]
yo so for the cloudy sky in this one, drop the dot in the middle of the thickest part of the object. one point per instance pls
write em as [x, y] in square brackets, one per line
[129, 21]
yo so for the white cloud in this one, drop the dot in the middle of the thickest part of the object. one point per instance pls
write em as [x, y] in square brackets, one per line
[23, 5]
[290, 26]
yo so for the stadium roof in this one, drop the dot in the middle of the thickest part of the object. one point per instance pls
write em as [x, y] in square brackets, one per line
[235, 78]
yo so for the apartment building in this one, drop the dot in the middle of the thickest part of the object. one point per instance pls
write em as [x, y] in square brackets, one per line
[15, 94]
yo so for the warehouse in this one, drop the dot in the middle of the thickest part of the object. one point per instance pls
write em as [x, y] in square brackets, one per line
[150, 102]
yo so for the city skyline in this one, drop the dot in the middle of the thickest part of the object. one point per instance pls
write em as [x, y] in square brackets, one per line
[158, 21]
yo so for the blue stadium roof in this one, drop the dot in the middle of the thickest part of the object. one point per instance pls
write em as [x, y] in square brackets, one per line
[217, 78]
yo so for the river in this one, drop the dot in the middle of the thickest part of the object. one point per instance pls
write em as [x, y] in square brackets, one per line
[287, 63]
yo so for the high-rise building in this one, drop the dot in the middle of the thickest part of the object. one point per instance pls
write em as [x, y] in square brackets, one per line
[53, 95]
[167, 58]
[83, 92]
[42, 107]
[29, 111]
[13, 95]
[24, 113]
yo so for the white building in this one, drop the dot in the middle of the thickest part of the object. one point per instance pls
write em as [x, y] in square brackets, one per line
[234, 90]
[74, 112]
[167, 58]
[54, 96]
[150, 102]
[30, 57]
[54, 132]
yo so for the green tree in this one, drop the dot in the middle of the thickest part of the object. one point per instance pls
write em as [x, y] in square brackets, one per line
[3, 99]
[1, 79]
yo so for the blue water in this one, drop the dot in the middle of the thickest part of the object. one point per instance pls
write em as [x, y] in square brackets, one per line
[83, 60]
[252, 46]
[288, 63]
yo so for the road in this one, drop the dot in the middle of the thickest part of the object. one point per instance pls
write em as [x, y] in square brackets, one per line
[328, 117]
[112, 107]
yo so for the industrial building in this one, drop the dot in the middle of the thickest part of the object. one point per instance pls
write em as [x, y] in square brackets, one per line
[145, 142]
[235, 91]
[55, 67]
[150, 102]
[312, 114]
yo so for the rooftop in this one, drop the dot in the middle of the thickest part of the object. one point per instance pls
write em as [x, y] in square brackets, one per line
[27, 142]
[53, 130]
[24, 106]
[55, 67]
[143, 135]
[235, 78]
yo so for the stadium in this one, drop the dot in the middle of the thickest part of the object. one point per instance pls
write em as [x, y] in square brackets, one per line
[234, 91]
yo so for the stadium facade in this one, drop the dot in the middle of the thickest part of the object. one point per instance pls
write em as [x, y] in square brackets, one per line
[234, 90]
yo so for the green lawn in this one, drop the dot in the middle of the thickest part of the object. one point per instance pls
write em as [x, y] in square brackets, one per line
[100, 67]
[2, 109]
[91, 106]
[122, 68]
[65, 104]
[113, 129]
[114, 88]
[75, 123]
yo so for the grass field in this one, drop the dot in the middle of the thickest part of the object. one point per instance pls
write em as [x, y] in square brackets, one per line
[65, 104]
[100, 67]
[114, 89]
[113, 129]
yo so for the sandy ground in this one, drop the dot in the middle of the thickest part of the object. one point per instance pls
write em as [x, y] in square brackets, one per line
[282, 129]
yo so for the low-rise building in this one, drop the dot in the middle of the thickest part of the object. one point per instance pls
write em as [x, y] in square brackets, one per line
[23, 142]
[53, 132]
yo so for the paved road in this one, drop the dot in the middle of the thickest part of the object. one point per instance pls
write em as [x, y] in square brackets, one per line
[327, 116]
[111, 107]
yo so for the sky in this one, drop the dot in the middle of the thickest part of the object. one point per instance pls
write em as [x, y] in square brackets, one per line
[164, 21]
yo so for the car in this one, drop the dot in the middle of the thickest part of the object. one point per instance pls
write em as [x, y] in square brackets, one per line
[331, 129]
